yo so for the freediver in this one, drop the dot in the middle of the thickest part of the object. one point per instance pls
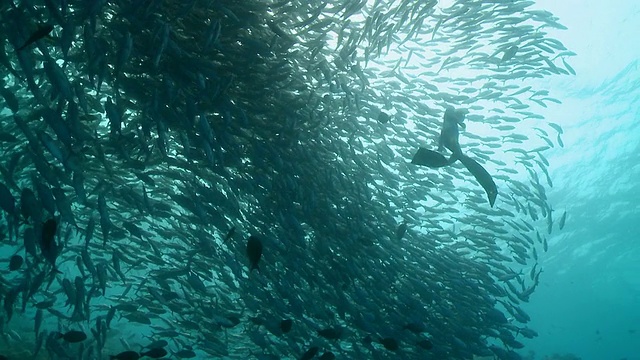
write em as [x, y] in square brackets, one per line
[453, 121]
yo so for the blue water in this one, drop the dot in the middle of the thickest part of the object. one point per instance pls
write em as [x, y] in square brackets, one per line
[587, 304]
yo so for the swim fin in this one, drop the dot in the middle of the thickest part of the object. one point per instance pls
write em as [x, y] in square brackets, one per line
[483, 177]
[429, 158]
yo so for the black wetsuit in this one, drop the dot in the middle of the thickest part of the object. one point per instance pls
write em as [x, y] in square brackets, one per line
[450, 132]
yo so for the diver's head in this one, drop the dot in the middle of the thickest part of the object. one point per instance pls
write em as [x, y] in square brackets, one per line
[456, 115]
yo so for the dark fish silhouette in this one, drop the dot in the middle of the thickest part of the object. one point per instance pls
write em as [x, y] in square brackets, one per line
[15, 263]
[73, 336]
[42, 31]
[254, 252]
[45, 304]
[330, 333]
[185, 354]
[229, 234]
[425, 344]
[48, 245]
[327, 356]
[155, 353]
[157, 344]
[509, 53]
[7, 201]
[29, 205]
[125, 355]
[285, 325]
[562, 221]
[383, 117]
[309, 354]
[415, 327]
[390, 343]
[401, 230]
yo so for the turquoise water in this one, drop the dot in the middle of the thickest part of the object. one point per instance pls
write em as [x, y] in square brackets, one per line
[588, 304]
[297, 154]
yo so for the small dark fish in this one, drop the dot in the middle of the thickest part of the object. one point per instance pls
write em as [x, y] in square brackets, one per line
[429, 158]
[29, 205]
[145, 178]
[309, 354]
[230, 234]
[509, 53]
[383, 117]
[125, 355]
[15, 263]
[390, 343]
[560, 142]
[154, 353]
[73, 336]
[254, 251]
[42, 31]
[49, 229]
[14, 105]
[401, 230]
[425, 344]
[330, 333]
[170, 295]
[230, 321]
[327, 356]
[48, 244]
[415, 327]
[285, 325]
[562, 221]
[185, 354]
[45, 304]
[7, 137]
[7, 201]
[138, 317]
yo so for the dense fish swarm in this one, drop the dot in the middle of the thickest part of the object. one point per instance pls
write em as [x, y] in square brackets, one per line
[155, 152]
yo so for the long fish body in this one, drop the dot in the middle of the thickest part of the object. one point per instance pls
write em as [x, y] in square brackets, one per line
[48, 245]
[42, 31]
[254, 251]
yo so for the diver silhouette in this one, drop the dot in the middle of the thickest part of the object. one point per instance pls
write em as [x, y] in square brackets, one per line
[453, 121]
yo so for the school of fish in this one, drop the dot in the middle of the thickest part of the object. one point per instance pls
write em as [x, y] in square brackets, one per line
[234, 179]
